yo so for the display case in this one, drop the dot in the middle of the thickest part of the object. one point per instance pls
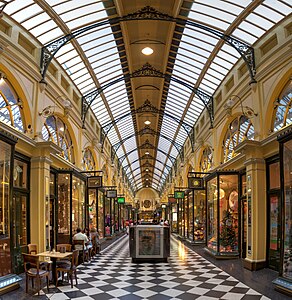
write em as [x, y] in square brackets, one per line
[284, 282]
[223, 214]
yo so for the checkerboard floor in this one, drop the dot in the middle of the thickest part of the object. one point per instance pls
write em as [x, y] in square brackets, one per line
[186, 275]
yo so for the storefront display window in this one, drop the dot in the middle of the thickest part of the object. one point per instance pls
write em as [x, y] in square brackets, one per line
[78, 204]
[100, 214]
[222, 214]
[199, 216]
[5, 158]
[63, 208]
[92, 207]
[287, 162]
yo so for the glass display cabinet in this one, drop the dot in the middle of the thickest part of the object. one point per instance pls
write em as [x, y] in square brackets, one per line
[223, 214]
[284, 282]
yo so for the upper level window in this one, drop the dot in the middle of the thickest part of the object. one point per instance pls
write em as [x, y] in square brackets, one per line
[55, 130]
[207, 159]
[88, 160]
[283, 108]
[11, 111]
[239, 130]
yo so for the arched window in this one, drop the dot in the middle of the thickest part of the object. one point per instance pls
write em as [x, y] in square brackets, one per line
[239, 130]
[206, 160]
[11, 111]
[283, 108]
[55, 130]
[88, 160]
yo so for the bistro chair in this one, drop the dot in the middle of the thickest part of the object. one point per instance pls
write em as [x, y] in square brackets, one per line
[32, 270]
[80, 245]
[33, 249]
[64, 247]
[69, 269]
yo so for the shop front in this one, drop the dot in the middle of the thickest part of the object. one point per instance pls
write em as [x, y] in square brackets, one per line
[223, 217]
[284, 281]
[67, 205]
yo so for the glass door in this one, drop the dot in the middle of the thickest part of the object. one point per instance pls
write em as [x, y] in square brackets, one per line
[274, 232]
[274, 214]
[19, 229]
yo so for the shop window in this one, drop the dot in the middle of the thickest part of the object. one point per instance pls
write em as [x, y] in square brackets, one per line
[55, 130]
[11, 111]
[239, 130]
[206, 160]
[88, 160]
[283, 108]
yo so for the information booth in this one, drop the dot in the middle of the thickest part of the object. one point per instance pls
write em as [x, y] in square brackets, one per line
[223, 214]
[149, 243]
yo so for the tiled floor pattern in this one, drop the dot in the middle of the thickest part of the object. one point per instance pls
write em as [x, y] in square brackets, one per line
[187, 275]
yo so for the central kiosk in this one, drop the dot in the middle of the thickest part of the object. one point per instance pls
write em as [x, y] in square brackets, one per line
[149, 243]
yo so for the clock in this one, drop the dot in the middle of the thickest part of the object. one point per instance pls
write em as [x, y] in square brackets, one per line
[196, 183]
[147, 203]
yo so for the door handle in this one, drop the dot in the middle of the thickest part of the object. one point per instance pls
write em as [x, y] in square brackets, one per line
[19, 239]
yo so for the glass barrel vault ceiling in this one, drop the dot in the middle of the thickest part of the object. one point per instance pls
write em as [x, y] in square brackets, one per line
[196, 57]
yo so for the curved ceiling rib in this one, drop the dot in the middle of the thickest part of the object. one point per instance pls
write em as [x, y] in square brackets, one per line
[100, 56]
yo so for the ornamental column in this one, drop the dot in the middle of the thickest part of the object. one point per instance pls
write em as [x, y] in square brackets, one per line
[256, 222]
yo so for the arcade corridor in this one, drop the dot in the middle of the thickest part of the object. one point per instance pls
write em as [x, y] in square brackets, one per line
[187, 275]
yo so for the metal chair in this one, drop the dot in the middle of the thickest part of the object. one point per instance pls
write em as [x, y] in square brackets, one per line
[32, 270]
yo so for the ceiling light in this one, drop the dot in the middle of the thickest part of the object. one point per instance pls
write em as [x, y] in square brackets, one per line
[147, 153]
[147, 179]
[147, 51]
[147, 122]
[147, 170]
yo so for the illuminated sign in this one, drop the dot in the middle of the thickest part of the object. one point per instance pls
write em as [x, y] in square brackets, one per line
[121, 200]
[94, 182]
[111, 193]
[179, 194]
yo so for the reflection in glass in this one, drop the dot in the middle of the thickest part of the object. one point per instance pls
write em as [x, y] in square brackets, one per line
[5, 156]
[287, 161]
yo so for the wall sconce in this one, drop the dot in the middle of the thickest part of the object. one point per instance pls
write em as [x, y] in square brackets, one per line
[246, 110]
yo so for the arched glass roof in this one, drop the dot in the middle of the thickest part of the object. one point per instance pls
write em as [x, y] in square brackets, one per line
[190, 53]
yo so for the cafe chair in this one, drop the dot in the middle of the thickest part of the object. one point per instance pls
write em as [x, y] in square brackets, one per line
[32, 270]
[69, 269]
[33, 249]
[63, 248]
[80, 245]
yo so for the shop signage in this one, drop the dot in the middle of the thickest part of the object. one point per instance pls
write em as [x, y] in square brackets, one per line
[121, 200]
[111, 193]
[179, 194]
[94, 182]
[196, 183]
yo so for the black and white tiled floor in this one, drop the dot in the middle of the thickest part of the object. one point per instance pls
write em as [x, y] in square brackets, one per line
[187, 275]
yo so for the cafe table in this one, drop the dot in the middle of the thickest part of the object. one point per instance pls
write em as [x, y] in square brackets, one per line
[54, 255]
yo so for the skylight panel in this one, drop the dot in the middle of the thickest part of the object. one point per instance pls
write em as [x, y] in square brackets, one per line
[204, 17]
[36, 20]
[255, 30]
[208, 86]
[88, 88]
[279, 6]
[232, 8]
[83, 81]
[244, 36]
[25, 11]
